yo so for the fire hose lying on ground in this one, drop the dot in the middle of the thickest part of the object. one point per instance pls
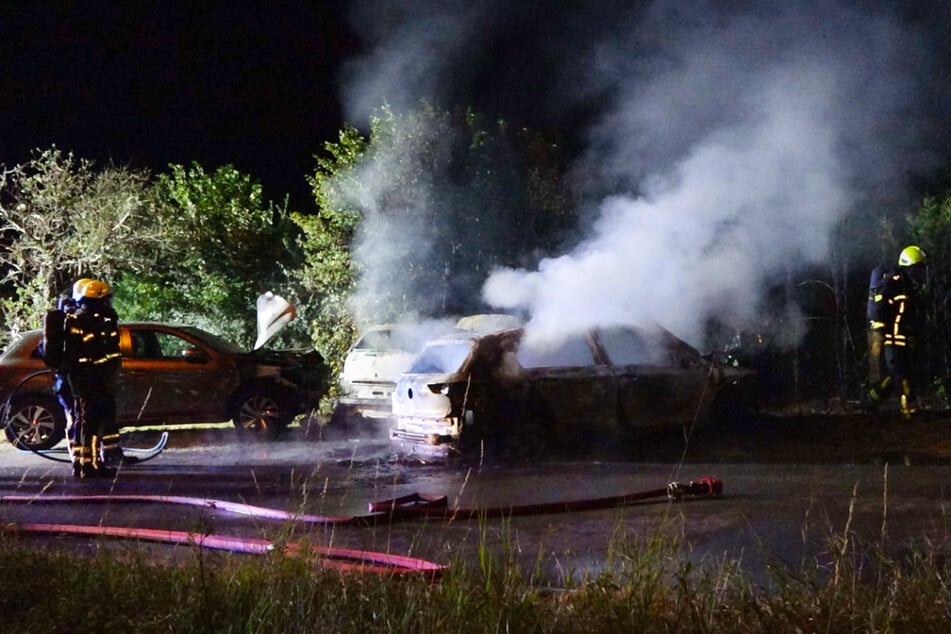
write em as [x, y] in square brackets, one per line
[415, 505]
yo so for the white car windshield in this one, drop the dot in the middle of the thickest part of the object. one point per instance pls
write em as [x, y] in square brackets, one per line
[441, 358]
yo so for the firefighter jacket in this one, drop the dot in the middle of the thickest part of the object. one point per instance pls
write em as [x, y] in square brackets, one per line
[897, 309]
[91, 357]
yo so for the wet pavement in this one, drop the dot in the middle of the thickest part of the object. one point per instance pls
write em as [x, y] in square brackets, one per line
[792, 487]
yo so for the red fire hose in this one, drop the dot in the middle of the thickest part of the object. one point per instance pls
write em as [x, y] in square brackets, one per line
[332, 558]
[408, 506]
[417, 504]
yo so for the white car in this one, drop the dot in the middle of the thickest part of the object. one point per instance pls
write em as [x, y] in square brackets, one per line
[370, 371]
[383, 352]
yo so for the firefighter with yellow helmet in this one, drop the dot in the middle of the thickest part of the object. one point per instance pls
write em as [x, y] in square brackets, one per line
[87, 353]
[895, 313]
[53, 343]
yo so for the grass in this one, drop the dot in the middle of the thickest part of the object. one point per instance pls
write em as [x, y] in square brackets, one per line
[648, 585]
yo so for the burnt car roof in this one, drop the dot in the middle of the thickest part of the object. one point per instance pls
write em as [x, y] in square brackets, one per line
[659, 345]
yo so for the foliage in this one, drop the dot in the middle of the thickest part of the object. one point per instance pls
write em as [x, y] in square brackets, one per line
[63, 220]
[221, 246]
[412, 219]
[444, 198]
[931, 230]
[650, 585]
[326, 276]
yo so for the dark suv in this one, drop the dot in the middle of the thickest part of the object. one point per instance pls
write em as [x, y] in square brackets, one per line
[171, 374]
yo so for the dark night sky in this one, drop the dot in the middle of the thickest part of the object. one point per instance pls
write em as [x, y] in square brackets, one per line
[259, 84]
[146, 84]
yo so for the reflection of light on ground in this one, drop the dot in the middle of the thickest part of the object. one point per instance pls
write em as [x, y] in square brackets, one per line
[225, 425]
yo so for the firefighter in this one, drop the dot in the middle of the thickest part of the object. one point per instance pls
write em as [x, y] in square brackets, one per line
[896, 307]
[91, 362]
[53, 344]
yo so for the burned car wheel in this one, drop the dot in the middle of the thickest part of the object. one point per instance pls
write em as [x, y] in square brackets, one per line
[34, 422]
[261, 410]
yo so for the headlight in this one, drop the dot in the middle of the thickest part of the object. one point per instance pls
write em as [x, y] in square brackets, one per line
[438, 388]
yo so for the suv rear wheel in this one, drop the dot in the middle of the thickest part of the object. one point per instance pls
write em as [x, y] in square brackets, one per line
[34, 422]
[261, 410]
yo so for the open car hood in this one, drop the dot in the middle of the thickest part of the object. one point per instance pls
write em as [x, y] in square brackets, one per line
[274, 312]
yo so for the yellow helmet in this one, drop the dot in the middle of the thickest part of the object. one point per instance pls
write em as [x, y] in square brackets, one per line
[911, 256]
[95, 289]
[78, 288]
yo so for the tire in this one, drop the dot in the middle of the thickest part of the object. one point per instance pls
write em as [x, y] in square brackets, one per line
[35, 421]
[261, 411]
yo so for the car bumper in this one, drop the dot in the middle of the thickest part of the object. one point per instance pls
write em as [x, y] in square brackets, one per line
[424, 436]
[368, 407]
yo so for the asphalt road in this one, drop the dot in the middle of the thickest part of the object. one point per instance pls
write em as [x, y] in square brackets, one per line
[793, 489]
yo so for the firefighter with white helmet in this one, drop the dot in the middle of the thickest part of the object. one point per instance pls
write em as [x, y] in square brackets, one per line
[893, 309]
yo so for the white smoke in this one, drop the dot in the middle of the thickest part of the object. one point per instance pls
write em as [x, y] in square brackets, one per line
[745, 151]
[729, 140]
[748, 200]
[413, 47]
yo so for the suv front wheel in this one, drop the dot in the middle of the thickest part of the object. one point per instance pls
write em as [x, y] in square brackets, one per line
[34, 422]
[261, 410]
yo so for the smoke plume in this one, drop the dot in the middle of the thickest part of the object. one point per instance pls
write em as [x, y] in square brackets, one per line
[723, 141]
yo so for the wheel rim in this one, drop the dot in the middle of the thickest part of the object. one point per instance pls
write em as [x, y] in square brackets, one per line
[259, 414]
[33, 425]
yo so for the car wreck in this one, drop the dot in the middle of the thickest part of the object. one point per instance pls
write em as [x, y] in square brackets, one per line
[502, 393]
[382, 353]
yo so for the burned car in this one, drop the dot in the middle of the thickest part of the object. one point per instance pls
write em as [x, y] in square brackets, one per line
[171, 374]
[382, 353]
[505, 393]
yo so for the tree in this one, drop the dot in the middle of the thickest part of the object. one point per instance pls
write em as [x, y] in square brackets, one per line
[327, 273]
[412, 219]
[931, 230]
[220, 246]
[444, 198]
[62, 220]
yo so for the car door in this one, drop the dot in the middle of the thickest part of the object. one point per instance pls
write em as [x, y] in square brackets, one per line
[659, 386]
[574, 391]
[170, 377]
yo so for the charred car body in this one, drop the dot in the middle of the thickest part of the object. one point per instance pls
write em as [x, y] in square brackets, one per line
[170, 374]
[382, 353]
[505, 393]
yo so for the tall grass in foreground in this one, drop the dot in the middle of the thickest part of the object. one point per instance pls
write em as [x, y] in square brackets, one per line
[648, 586]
